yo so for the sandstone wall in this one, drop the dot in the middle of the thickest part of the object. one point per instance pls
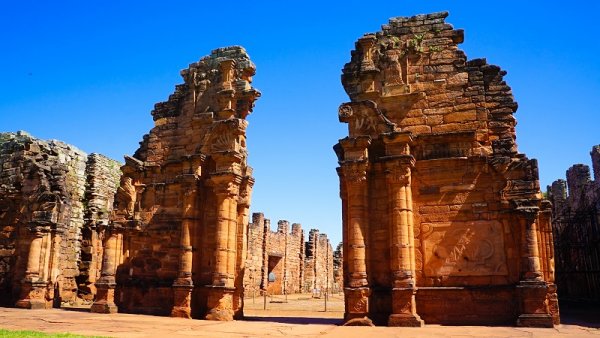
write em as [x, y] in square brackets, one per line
[176, 241]
[443, 216]
[319, 264]
[297, 266]
[279, 253]
[102, 180]
[43, 200]
[338, 268]
[576, 227]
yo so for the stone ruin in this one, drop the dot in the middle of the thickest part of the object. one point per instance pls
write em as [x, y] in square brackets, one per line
[318, 269]
[297, 266]
[53, 197]
[576, 227]
[338, 267]
[176, 242]
[443, 218]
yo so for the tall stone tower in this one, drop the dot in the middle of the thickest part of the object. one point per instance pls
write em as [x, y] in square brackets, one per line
[176, 241]
[443, 218]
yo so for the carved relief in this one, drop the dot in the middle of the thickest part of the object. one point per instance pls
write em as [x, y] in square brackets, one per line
[364, 118]
[465, 249]
[355, 172]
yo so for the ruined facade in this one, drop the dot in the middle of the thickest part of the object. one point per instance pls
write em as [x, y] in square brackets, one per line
[295, 265]
[338, 268]
[279, 253]
[576, 227]
[48, 192]
[318, 271]
[443, 218]
[176, 241]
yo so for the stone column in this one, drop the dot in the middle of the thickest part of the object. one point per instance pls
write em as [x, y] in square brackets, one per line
[243, 216]
[532, 287]
[183, 285]
[357, 291]
[220, 293]
[105, 297]
[402, 266]
[34, 286]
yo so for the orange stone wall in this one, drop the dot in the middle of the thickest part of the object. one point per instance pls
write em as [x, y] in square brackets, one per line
[176, 242]
[443, 218]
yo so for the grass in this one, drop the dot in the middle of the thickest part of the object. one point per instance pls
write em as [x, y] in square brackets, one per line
[23, 333]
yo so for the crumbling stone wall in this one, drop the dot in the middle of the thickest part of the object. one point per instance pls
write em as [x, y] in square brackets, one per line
[443, 219]
[296, 265]
[318, 275]
[43, 200]
[176, 241]
[576, 227]
[277, 253]
[102, 180]
[338, 268]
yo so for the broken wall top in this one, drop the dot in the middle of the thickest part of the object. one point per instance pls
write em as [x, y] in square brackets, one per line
[206, 114]
[411, 77]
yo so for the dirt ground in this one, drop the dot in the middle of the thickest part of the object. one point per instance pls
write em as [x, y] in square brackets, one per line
[300, 316]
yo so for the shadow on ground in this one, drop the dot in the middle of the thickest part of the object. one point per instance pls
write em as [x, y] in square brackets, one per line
[296, 320]
[579, 313]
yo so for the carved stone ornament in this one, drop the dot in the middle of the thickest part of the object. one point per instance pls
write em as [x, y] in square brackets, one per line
[355, 172]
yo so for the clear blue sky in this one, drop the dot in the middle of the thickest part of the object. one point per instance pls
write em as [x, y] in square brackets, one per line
[89, 73]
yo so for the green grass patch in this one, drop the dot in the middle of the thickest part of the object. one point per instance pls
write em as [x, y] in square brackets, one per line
[24, 333]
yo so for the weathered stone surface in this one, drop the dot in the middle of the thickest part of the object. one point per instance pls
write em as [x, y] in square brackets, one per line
[443, 219]
[318, 269]
[296, 265]
[176, 241]
[103, 177]
[47, 189]
[576, 228]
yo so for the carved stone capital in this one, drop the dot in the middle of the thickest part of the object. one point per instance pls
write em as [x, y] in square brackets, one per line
[399, 172]
[227, 185]
[355, 172]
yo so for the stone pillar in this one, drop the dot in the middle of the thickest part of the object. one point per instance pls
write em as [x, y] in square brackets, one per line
[401, 230]
[532, 288]
[34, 285]
[105, 297]
[183, 285]
[220, 293]
[243, 214]
[402, 265]
[357, 291]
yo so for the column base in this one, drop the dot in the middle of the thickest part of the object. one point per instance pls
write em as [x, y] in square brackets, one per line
[33, 296]
[535, 320]
[405, 320]
[553, 304]
[404, 308]
[32, 304]
[220, 303]
[357, 321]
[104, 307]
[182, 294]
[534, 307]
[357, 306]
[105, 297]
